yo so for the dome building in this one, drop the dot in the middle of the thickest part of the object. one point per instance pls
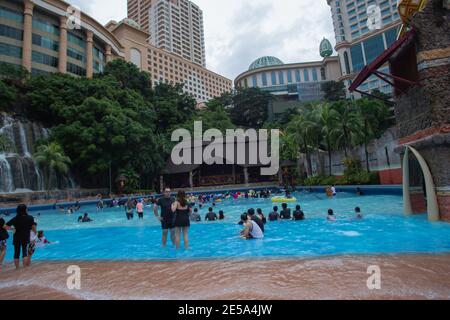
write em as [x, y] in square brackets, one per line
[291, 83]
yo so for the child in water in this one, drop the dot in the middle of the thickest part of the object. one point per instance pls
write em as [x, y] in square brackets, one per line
[331, 216]
[41, 240]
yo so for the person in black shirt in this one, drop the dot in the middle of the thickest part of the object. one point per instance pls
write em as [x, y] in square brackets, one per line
[3, 237]
[221, 215]
[22, 224]
[261, 216]
[211, 216]
[285, 213]
[298, 214]
[167, 216]
[274, 215]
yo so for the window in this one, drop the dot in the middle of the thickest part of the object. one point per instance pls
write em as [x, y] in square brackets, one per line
[45, 42]
[264, 79]
[297, 76]
[72, 68]
[10, 32]
[391, 36]
[323, 74]
[135, 57]
[347, 63]
[314, 74]
[9, 14]
[79, 41]
[306, 75]
[10, 50]
[373, 47]
[75, 54]
[274, 78]
[45, 26]
[43, 58]
[281, 77]
[289, 76]
[357, 57]
[254, 81]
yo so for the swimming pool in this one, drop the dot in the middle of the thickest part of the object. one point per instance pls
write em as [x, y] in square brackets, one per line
[384, 230]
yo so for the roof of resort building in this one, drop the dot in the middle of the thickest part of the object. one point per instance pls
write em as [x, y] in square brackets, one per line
[266, 61]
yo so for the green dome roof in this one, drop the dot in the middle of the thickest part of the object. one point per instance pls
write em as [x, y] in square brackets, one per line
[265, 62]
[326, 49]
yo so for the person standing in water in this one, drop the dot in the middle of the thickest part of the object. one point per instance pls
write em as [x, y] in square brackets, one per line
[140, 209]
[22, 223]
[182, 223]
[129, 209]
[167, 216]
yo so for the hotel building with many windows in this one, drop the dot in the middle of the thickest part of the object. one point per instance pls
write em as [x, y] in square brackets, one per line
[175, 26]
[40, 36]
[364, 29]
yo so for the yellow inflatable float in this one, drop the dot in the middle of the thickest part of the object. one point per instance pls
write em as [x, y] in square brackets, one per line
[283, 199]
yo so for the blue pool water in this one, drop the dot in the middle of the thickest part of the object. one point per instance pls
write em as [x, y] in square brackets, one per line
[384, 230]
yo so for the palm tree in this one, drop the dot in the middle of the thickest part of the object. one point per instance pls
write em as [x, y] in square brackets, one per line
[329, 123]
[349, 124]
[51, 157]
[373, 114]
[298, 131]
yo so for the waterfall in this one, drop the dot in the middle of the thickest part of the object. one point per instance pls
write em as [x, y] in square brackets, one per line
[18, 170]
[23, 141]
[6, 178]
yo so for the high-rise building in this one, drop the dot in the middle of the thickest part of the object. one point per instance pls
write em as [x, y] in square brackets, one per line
[174, 25]
[38, 36]
[363, 30]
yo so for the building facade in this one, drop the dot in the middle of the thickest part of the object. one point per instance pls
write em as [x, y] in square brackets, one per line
[175, 26]
[301, 81]
[363, 30]
[166, 67]
[38, 36]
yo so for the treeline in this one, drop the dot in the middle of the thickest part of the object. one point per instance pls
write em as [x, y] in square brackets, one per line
[118, 123]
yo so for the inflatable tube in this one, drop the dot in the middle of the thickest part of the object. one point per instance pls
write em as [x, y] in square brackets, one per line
[283, 199]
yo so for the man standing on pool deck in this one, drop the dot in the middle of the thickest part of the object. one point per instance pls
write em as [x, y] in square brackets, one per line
[167, 216]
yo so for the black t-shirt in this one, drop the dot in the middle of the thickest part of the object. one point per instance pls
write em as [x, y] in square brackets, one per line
[273, 216]
[299, 215]
[23, 225]
[3, 234]
[286, 214]
[211, 216]
[166, 207]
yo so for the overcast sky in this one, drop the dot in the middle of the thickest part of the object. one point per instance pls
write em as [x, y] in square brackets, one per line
[237, 32]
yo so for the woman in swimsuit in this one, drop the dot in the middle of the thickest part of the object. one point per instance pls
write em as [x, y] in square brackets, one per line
[181, 222]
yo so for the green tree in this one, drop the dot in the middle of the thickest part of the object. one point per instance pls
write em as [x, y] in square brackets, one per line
[51, 157]
[250, 107]
[373, 114]
[349, 124]
[334, 91]
[329, 124]
[129, 76]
